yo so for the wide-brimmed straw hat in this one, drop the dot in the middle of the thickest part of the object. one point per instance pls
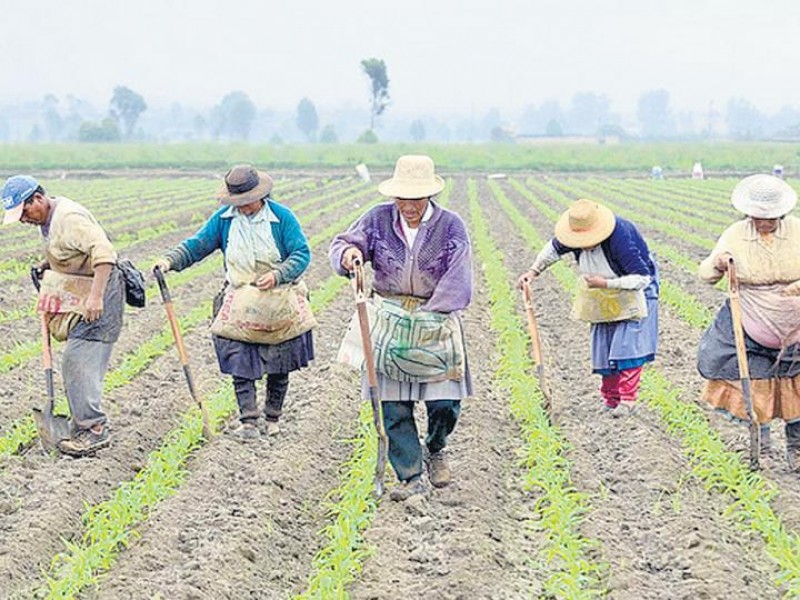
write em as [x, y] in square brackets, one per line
[585, 224]
[413, 178]
[763, 197]
[244, 184]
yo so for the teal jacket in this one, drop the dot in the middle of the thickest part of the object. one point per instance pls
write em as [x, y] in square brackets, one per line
[289, 238]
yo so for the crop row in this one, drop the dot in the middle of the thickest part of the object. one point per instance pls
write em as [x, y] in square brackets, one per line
[720, 469]
[350, 512]
[109, 527]
[547, 470]
[22, 431]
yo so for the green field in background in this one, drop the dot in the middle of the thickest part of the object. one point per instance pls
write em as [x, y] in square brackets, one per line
[674, 158]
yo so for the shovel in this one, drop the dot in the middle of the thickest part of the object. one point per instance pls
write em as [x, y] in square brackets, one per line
[52, 428]
[536, 345]
[744, 369]
[372, 377]
[184, 357]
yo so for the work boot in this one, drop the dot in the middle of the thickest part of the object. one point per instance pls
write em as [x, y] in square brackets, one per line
[413, 487]
[793, 446]
[438, 471]
[245, 432]
[85, 442]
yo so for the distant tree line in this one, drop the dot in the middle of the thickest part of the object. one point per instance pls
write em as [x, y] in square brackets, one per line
[236, 118]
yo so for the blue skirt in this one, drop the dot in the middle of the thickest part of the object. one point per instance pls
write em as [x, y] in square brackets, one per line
[253, 361]
[625, 344]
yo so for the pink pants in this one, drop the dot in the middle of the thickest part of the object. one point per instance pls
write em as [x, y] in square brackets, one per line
[621, 386]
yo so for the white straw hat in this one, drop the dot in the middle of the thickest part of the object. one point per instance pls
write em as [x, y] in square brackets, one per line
[413, 178]
[763, 197]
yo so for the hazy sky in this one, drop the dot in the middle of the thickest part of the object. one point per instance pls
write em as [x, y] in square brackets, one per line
[442, 55]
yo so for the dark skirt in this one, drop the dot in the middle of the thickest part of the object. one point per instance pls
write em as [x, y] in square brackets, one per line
[716, 355]
[253, 361]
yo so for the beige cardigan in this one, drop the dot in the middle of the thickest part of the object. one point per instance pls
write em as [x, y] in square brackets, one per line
[76, 243]
[758, 261]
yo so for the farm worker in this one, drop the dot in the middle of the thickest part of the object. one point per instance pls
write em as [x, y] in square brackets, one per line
[422, 269]
[765, 247]
[611, 255]
[75, 245]
[265, 253]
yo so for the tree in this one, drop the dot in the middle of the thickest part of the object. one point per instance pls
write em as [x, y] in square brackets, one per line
[744, 120]
[553, 128]
[535, 120]
[307, 120]
[501, 135]
[368, 137]
[328, 135]
[105, 131]
[655, 115]
[589, 113]
[417, 130]
[53, 123]
[126, 106]
[375, 69]
[234, 116]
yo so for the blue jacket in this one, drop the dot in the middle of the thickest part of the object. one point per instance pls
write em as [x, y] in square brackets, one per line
[289, 238]
[626, 251]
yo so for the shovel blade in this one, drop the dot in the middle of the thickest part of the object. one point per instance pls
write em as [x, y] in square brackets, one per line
[52, 428]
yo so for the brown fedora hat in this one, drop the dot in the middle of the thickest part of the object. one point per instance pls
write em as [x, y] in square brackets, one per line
[585, 224]
[244, 184]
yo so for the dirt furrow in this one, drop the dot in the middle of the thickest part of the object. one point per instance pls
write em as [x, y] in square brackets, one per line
[43, 498]
[23, 387]
[245, 524]
[469, 539]
[662, 534]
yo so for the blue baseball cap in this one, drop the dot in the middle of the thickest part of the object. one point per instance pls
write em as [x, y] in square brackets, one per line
[16, 190]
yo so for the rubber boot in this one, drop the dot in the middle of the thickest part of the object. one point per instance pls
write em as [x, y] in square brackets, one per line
[793, 446]
[766, 441]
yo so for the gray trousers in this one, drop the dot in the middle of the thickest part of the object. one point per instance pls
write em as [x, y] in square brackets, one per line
[83, 366]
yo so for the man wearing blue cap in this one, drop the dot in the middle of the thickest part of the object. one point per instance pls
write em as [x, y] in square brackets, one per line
[75, 247]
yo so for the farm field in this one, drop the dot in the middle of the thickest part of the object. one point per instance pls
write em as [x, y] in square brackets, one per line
[660, 505]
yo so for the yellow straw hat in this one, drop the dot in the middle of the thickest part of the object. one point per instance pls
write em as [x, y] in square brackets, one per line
[585, 224]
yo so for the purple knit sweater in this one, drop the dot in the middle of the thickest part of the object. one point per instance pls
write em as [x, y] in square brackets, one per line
[438, 267]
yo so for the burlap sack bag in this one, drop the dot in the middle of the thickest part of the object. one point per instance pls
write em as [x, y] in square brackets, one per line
[249, 314]
[64, 297]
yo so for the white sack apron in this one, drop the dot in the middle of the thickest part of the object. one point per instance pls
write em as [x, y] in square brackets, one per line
[272, 316]
[607, 305]
[64, 297]
[413, 346]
